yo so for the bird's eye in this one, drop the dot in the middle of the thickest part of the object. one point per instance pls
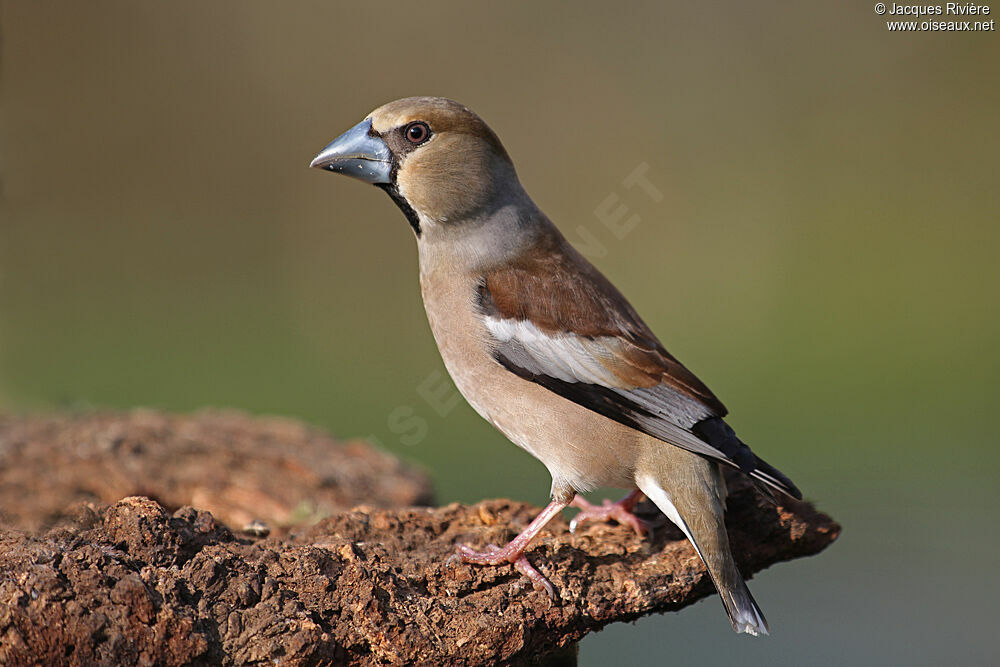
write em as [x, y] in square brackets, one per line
[417, 132]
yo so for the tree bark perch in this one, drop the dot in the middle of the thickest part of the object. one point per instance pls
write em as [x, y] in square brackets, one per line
[132, 583]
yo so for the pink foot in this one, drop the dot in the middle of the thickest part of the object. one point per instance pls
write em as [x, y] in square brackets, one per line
[494, 555]
[513, 553]
[620, 511]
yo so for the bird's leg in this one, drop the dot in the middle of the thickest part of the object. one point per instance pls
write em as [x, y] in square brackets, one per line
[620, 511]
[513, 553]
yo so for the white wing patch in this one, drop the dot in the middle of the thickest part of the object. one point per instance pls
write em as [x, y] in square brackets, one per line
[663, 412]
[566, 357]
[578, 368]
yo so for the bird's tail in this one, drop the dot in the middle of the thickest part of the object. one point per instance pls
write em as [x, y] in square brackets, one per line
[742, 609]
[696, 506]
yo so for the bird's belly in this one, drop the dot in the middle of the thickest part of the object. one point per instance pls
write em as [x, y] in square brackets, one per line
[578, 446]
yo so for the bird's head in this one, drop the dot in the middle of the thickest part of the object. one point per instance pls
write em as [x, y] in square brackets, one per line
[438, 160]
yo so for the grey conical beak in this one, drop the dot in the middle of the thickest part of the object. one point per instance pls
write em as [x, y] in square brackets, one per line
[360, 153]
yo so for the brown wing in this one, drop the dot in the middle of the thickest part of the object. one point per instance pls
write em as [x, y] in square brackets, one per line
[556, 321]
[560, 292]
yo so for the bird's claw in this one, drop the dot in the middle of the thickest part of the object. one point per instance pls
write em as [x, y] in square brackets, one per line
[605, 511]
[494, 555]
[538, 580]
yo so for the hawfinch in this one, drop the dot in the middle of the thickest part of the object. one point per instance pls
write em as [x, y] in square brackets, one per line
[545, 348]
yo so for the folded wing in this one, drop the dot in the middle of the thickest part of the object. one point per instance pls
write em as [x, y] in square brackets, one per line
[555, 320]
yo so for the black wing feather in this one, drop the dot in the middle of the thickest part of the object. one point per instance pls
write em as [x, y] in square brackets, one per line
[722, 443]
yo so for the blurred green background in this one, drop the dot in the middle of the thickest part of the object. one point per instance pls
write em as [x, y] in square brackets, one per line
[824, 257]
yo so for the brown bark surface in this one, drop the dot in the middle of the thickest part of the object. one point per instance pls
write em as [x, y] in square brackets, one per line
[134, 583]
[242, 469]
